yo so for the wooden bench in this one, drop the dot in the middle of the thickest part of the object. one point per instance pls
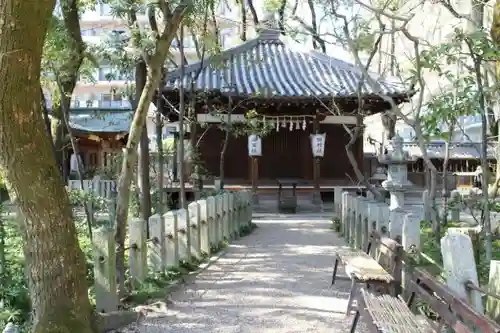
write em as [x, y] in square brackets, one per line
[386, 313]
[361, 268]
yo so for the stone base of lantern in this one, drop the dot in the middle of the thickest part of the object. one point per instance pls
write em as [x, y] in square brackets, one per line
[316, 199]
[255, 199]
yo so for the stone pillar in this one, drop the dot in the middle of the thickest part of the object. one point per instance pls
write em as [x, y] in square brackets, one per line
[344, 215]
[105, 270]
[338, 199]
[157, 252]
[383, 219]
[427, 205]
[455, 204]
[170, 219]
[460, 266]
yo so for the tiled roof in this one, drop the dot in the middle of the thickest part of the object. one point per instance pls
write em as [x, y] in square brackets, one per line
[101, 120]
[436, 149]
[269, 66]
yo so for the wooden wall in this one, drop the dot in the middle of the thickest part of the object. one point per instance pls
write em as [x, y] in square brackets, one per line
[286, 154]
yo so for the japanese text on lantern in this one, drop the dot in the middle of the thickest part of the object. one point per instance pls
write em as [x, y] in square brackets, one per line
[254, 145]
[318, 144]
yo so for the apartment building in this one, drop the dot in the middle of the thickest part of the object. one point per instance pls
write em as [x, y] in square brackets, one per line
[99, 23]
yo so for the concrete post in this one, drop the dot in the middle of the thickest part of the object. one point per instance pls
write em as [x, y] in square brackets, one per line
[460, 267]
[203, 226]
[183, 234]
[138, 254]
[157, 248]
[338, 199]
[219, 211]
[345, 215]
[212, 221]
[410, 241]
[194, 228]
[171, 228]
[106, 298]
[225, 217]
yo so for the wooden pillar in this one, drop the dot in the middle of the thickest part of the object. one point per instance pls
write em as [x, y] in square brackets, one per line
[316, 167]
[254, 178]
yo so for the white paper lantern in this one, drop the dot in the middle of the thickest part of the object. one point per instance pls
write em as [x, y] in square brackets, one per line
[318, 144]
[254, 145]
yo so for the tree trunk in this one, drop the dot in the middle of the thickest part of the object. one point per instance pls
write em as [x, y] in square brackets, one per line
[71, 58]
[145, 184]
[495, 35]
[57, 271]
[130, 152]
[182, 114]
[228, 128]
[389, 124]
[143, 177]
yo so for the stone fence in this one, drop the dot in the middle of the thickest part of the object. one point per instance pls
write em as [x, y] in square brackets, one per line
[360, 216]
[100, 187]
[174, 237]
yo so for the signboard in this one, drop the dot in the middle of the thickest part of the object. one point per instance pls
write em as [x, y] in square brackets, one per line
[318, 144]
[254, 145]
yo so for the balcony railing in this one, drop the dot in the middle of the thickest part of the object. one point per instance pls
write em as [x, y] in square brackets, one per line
[92, 104]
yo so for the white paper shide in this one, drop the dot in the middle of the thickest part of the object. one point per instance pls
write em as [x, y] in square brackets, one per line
[254, 145]
[318, 144]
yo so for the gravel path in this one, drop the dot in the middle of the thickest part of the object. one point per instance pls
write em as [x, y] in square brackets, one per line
[277, 280]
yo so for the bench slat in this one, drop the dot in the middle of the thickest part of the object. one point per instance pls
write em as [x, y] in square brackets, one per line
[361, 266]
[391, 314]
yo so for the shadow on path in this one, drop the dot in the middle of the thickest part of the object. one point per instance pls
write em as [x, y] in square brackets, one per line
[276, 280]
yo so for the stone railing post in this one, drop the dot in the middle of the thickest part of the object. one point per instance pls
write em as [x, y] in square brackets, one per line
[460, 267]
[233, 217]
[138, 254]
[171, 228]
[248, 208]
[157, 248]
[212, 221]
[353, 204]
[360, 218]
[194, 228]
[240, 211]
[345, 215]
[219, 211]
[226, 234]
[204, 227]
[106, 298]
[373, 212]
[338, 200]
[383, 220]
[410, 241]
[183, 235]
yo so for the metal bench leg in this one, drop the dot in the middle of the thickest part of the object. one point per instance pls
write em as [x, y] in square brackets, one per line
[352, 296]
[355, 322]
[334, 275]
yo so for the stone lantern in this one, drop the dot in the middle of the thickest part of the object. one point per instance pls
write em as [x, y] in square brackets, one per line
[396, 183]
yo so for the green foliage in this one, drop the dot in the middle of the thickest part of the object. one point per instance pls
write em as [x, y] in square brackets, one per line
[453, 62]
